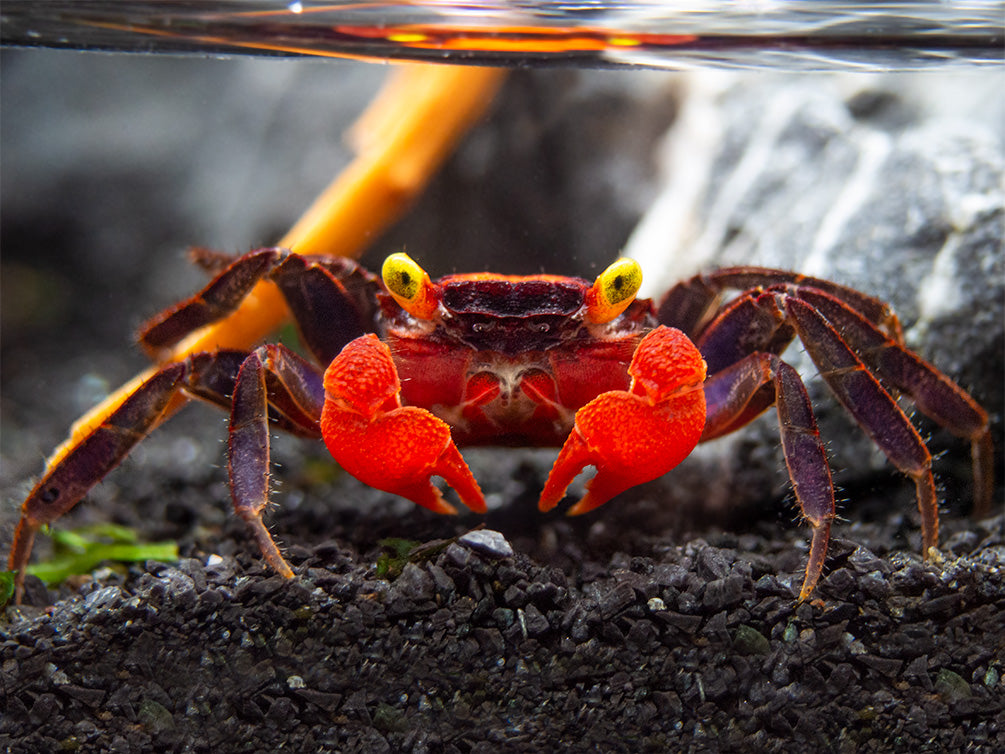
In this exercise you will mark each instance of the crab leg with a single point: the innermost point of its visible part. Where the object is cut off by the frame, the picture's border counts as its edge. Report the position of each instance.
(248, 458)
(736, 395)
(293, 389)
(219, 298)
(872, 407)
(637, 435)
(935, 395)
(807, 464)
(248, 444)
(874, 310)
(866, 324)
(690, 304)
(293, 385)
(65, 483)
(273, 383)
(386, 445)
(331, 300)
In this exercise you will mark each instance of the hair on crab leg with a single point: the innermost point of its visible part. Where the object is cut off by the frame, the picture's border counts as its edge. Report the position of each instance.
(74, 470)
(873, 408)
(248, 458)
(807, 464)
(933, 393)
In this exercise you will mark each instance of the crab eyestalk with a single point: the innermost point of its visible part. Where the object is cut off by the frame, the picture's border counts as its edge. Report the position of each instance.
(613, 291)
(410, 285)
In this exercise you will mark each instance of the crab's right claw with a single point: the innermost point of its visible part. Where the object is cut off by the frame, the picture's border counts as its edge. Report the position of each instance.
(637, 435)
(386, 445)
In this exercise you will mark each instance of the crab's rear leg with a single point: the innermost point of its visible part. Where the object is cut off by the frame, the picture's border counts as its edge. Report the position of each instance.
(331, 299)
(692, 303)
(71, 474)
(934, 394)
(637, 435)
(872, 407)
(218, 299)
(211, 376)
(386, 445)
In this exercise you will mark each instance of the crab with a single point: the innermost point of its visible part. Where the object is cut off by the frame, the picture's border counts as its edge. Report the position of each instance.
(401, 371)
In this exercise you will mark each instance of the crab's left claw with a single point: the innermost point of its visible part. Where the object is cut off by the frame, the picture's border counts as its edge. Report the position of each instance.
(386, 445)
(637, 435)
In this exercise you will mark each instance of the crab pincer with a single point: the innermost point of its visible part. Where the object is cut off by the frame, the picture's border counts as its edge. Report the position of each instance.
(386, 445)
(636, 435)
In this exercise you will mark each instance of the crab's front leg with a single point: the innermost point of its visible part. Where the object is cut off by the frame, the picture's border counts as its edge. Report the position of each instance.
(386, 445)
(636, 435)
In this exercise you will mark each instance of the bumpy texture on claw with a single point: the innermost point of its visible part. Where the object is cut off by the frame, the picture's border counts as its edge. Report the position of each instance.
(637, 435)
(386, 445)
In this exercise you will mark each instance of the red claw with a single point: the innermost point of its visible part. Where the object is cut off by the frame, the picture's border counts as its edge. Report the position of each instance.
(386, 445)
(637, 435)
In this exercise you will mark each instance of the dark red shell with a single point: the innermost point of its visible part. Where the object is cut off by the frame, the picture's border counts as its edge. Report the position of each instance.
(511, 359)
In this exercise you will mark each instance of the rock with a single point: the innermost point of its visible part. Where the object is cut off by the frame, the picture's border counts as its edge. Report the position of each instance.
(874, 182)
(487, 542)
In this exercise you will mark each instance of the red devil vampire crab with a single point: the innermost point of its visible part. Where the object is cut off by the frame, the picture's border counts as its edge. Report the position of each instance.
(410, 369)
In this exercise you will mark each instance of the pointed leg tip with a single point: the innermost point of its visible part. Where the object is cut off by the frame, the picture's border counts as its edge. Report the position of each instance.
(817, 556)
(805, 592)
(279, 564)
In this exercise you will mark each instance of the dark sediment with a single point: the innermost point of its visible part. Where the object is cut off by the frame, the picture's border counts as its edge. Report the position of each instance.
(591, 636)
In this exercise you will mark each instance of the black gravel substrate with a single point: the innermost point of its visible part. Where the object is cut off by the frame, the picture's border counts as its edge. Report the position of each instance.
(699, 647)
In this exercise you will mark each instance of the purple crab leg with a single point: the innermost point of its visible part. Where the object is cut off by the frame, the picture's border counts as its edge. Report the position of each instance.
(751, 324)
(872, 407)
(294, 385)
(248, 458)
(871, 308)
(332, 299)
(934, 394)
(869, 327)
(735, 395)
(248, 445)
(219, 298)
(295, 390)
(807, 464)
(690, 305)
(69, 479)
(295, 395)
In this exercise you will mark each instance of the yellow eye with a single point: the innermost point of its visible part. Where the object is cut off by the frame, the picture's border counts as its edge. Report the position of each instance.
(409, 285)
(613, 291)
